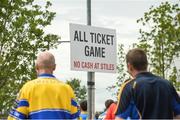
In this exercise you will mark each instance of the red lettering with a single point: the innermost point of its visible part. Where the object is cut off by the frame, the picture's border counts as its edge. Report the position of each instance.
(96, 65)
(76, 64)
(87, 65)
(105, 66)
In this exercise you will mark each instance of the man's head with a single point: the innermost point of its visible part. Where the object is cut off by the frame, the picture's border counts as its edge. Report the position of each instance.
(45, 63)
(83, 105)
(136, 60)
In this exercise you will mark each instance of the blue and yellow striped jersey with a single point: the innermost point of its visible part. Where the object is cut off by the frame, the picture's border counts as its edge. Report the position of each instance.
(84, 115)
(45, 98)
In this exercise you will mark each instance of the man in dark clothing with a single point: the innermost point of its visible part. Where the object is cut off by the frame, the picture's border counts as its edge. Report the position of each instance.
(146, 96)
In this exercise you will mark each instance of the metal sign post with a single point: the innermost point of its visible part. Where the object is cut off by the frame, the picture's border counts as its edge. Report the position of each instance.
(90, 76)
(91, 95)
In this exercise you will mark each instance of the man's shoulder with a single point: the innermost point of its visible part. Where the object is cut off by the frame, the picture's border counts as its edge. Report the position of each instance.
(127, 89)
(37, 82)
(128, 85)
(149, 77)
(147, 82)
(29, 83)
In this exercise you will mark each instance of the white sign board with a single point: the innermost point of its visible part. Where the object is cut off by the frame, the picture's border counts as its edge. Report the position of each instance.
(93, 48)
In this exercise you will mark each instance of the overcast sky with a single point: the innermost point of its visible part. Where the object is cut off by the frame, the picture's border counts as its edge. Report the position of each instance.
(116, 14)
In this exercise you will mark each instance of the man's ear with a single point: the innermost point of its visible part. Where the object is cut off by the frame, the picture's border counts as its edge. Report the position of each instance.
(36, 67)
(54, 67)
(129, 66)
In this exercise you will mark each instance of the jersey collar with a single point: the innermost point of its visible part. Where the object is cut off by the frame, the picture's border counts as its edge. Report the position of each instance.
(142, 74)
(45, 75)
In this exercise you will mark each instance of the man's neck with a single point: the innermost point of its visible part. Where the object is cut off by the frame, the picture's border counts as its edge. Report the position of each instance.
(135, 73)
(44, 72)
(83, 112)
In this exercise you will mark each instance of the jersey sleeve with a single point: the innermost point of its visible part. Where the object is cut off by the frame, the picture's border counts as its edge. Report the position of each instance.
(21, 105)
(75, 112)
(126, 107)
(175, 102)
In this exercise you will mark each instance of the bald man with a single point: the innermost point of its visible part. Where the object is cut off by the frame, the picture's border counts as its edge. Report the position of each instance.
(45, 97)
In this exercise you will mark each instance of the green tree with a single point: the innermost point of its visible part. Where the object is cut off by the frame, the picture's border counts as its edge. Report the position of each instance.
(80, 91)
(161, 39)
(22, 36)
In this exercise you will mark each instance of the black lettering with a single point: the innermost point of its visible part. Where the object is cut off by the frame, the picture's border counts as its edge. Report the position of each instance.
(86, 50)
(92, 38)
(103, 52)
(97, 52)
(85, 37)
(112, 38)
(92, 51)
(76, 36)
(99, 38)
(80, 37)
(107, 40)
(103, 39)
(95, 38)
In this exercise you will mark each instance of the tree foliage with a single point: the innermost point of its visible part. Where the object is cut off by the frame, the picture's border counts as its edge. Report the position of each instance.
(161, 39)
(80, 91)
(22, 36)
